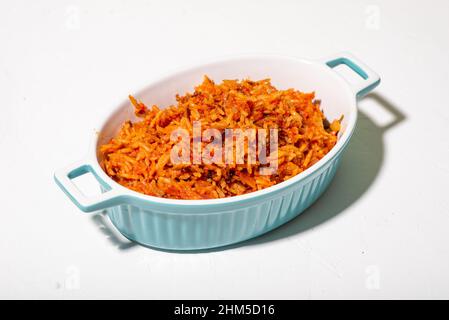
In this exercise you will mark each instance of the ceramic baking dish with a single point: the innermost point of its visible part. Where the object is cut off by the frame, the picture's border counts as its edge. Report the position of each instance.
(199, 224)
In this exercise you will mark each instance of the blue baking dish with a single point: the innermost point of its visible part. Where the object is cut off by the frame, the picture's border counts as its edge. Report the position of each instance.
(200, 224)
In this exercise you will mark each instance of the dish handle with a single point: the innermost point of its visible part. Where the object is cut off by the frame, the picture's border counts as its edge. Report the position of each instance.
(64, 178)
(370, 79)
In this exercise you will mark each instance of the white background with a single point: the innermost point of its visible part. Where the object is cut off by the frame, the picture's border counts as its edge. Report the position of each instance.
(380, 231)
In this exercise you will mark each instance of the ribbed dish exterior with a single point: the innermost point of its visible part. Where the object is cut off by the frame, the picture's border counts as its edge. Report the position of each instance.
(179, 230)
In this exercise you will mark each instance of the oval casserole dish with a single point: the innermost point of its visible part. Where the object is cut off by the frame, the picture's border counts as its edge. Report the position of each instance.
(173, 224)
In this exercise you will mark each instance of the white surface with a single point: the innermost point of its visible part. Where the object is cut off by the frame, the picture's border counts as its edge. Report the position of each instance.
(381, 230)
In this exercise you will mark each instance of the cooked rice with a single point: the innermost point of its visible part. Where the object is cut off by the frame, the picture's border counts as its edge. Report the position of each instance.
(138, 157)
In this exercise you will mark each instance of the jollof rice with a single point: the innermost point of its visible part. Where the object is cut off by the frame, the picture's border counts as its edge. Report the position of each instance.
(138, 157)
